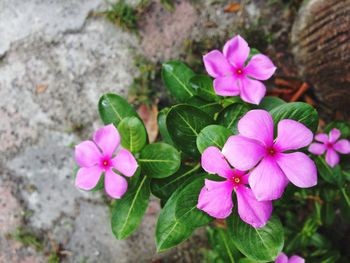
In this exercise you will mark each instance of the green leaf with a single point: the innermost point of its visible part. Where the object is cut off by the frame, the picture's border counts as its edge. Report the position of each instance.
(127, 212)
(230, 116)
(133, 134)
(329, 174)
(262, 244)
(203, 85)
(113, 109)
(298, 111)
(159, 160)
(176, 76)
(268, 103)
(209, 107)
(340, 125)
(162, 126)
(253, 52)
(184, 122)
(164, 188)
(186, 210)
(212, 135)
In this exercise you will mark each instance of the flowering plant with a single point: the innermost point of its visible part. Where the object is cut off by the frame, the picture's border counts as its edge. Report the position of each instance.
(223, 143)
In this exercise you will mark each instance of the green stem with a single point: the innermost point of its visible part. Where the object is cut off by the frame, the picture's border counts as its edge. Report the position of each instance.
(347, 199)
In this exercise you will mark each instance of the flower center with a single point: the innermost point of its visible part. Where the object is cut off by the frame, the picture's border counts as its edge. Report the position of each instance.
(236, 180)
(329, 145)
(271, 151)
(105, 163)
(239, 71)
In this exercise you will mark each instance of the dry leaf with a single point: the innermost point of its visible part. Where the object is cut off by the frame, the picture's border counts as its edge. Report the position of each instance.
(40, 88)
(149, 116)
(232, 8)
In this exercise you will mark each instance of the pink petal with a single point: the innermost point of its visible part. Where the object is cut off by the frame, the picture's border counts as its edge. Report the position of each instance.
(252, 91)
(317, 148)
(334, 135)
(260, 67)
(251, 210)
(342, 146)
(296, 259)
(108, 139)
(213, 161)
(87, 154)
(267, 180)
(332, 158)
(243, 153)
(215, 198)
(292, 135)
(226, 86)
(125, 163)
(236, 51)
(321, 137)
(87, 178)
(257, 125)
(282, 258)
(216, 64)
(115, 185)
(298, 168)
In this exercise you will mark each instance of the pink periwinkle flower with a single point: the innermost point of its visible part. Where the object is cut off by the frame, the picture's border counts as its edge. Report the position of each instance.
(233, 77)
(97, 157)
(215, 197)
(282, 258)
(276, 165)
(331, 145)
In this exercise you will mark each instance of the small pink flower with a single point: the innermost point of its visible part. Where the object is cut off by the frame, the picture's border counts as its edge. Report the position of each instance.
(97, 157)
(215, 197)
(331, 145)
(233, 77)
(277, 166)
(282, 258)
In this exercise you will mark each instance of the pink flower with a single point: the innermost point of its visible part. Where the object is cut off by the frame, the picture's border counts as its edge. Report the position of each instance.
(282, 258)
(97, 157)
(215, 197)
(233, 77)
(277, 166)
(331, 145)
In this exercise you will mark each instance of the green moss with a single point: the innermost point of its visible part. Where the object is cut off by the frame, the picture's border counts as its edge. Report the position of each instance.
(27, 238)
(54, 258)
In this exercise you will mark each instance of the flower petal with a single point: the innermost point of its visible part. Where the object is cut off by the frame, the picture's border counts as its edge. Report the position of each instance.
(215, 198)
(260, 67)
(213, 161)
(332, 158)
(267, 180)
(298, 168)
(226, 86)
(243, 153)
(216, 64)
(125, 163)
(321, 137)
(87, 154)
(292, 135)
(87, 178)
(251, 210)
(342, 146)
(296, 259)
(334, 135)
(257, 125)
(282, 258)
(252, 91)
(317, 148)
(115, 185)
(108, 139)
(236, 51)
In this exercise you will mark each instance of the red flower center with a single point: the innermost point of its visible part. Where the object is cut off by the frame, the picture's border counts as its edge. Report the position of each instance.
(236, 180)
(329, 145)
(239, 71)
(105, 163)
(271, 151)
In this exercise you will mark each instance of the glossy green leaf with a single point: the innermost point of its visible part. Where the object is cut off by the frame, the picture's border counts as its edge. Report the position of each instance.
(113, 109)
(299, 111)
(329, 174)
(164, 188)
(262, 244)
(230, 116)
(127, 212)
(176, 76)
(211, 108)
(133, 134)
(203, 85)
(212, 135)
(268, 103)
(163, 130)
(184, 122)
(159, 160)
